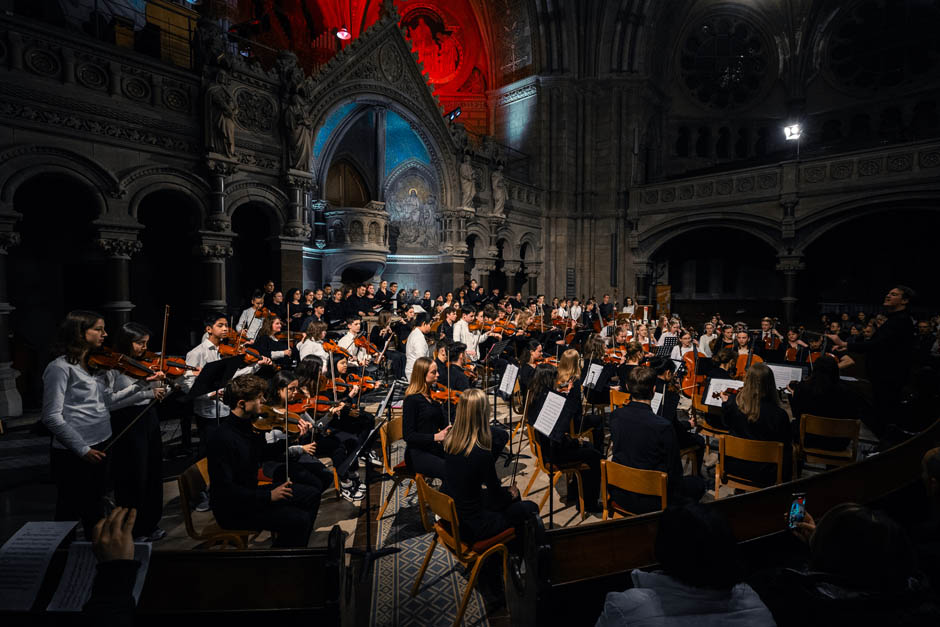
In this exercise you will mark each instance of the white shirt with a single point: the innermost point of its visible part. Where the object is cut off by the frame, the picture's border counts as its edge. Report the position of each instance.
(359, 355)
(678, 351)
(463, 334)
(415, 346)
(705, 343)
(312, 347)
(207, 352)
(662, 338)
(248, 322)
(628, 309)
(76, 404)
(576, 312)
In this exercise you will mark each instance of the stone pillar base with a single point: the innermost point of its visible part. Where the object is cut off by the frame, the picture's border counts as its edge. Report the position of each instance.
(11, 403)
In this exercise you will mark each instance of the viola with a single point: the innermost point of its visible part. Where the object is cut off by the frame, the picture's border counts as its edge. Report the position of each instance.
(443, 394)
(470, 371)
(107, 359)
(363, 342)
(332, 347)
(270, 418)
(729, 392)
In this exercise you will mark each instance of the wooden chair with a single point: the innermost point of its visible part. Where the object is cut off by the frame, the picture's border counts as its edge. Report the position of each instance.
(191, 482)
(830, 428)
(747, 450)
(618, 399)
(471, 557)
(390, 432)
(651, 482)
(556, 473)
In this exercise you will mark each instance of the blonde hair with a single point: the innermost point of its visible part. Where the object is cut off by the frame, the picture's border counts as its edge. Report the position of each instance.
(471, 427)
(758, 386)
(522, 319)
(419, 377)
(569, 366)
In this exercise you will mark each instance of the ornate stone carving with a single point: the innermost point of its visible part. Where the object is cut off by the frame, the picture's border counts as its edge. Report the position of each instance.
(467, 182)
(790, 264)
(374, 236)
(841, 170)
(499, 192)
(516, 95)
(8, 239)
(211, 42)
(255, 112)
(685, 192)
(814, 174)
(220, 112)
(651, 197)
(337, 232)
(869, 167)
(767, 181)
(391, 63)
(215, 251)
(900, 162)
(218, 222)
(136, 89)
(704, 190)
(92, 76)
(42, 62)
(356, 233)
(929, 159)
(222, 167)
(297, 229)
(724, 187)
(288, 69)
(368, 71)
(668, 195)
(745, 184)
(298, 122)
(176, 99)
(257, 161)
(117, 247)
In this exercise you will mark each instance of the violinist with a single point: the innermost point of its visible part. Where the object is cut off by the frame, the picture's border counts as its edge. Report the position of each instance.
(137, 456)
(632, 355)
(75, 405)
(606, 309)
(312, 344)
(529, 359)
(670, 328)
(417, 344)
(720, 366)
(725, 340)
(360, 356)
(236, 452)
(424, 425)
(594, 352)
(795, 350)
(267, 343)
(683, 347)
(568, 383)
(669, 408)
(249, 323)
(706, 338)
(628, 306)
(385, 339)
(464, 335)
(770, 343)
(352, 418)
(446, 330)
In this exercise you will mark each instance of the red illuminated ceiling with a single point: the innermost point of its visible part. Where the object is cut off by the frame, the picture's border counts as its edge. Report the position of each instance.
(445, 34)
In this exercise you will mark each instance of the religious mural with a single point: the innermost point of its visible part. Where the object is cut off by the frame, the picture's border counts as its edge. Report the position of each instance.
(414, 211)
(439, 47)
(514, 47)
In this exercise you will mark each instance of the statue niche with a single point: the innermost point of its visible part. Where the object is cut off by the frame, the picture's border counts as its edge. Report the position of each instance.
(414, 214)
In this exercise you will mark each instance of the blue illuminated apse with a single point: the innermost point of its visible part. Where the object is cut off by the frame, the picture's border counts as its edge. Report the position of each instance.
(402, 143)
(329, 126)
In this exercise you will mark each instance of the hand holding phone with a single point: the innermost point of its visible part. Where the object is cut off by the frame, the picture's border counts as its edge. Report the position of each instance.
(797, 510)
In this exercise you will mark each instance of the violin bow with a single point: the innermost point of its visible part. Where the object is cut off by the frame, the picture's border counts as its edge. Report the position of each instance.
(288, 327)
(166, 320)
(515, 467)
(287, 434)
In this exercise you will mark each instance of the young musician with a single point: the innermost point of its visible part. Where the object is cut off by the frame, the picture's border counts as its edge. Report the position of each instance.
(335, 311)
(665, 370)
(384, 338)
(683, 347)
(464, 335)
(824, 394)
(468, 465)
(417, 344)
(236, 451)
(705, 339)
(75, 404)
(795, 350)
(446, 330)
(529, 359)
(249, 323)
(770, 343)
(296, 316)
(137, 455)
(317, 314)
(312, 344)
(267, 343)
(670, 329)
(360, 356)
(725, 340)
(424, 425)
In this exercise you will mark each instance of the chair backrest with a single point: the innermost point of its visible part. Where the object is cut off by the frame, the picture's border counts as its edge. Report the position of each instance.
(650, 482)
(830, 428)
(618, 399)
(390, 432)
(442, 506)
(750, 450)
(536, 449)
(191, 482)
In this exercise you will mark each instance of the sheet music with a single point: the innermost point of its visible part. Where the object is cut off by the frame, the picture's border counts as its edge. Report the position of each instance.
(75, 586)
(593, 375)
(385, 400)
(509, 379)
(844, 378)
(783, 375)
(24, 559)
(720, 385)
(550, 413)
(656, 402)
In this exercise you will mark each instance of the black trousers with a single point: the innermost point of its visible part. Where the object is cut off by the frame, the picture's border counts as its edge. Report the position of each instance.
(396, 360)
(80, 487)
(205, 427)
(137, 466)
(491, 520)
(586, 454)
(425, 462)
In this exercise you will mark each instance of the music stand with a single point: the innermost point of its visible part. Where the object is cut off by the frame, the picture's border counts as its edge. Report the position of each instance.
(666, 349)
(369, 555)
(213, 376)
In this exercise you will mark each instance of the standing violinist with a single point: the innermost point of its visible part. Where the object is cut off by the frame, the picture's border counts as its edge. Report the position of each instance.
(383, 337)
(269, 345)
(359, 356)
(75, 404)
(312, 344)
(446, 329)
(463, 334)
(417, 344)
(249, 323)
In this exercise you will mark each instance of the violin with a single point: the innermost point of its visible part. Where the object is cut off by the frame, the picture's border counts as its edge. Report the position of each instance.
(319, 405)
(332, 347)
(363, 342)
(171, 366)
(365, 383)
(337, 384)
(251, 355)
(729, 392)
(264, 312)
(270, 418)
(443, 394)
(295, 336)
(551, 361)
(107, 359)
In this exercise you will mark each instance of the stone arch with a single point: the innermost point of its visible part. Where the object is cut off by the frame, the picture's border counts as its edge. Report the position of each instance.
(505, 235)
(21, 163)
(273, 199)
(142, 182)
(479, 230)
(824, 220)
(530, 239)
(652, 239)
(328, 155)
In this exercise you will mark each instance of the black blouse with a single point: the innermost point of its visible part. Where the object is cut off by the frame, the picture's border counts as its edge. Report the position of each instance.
(421, 419)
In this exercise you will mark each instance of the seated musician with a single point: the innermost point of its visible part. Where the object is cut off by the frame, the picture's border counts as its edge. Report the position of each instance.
(642, 337)
(669, 409)
(268, 344)
(294, 309)
(559, 447)
(249, 323)
(360, 356)
(568, 383)
(670, 329)
(424, 425)
(236, 451)
(312, 344)
(795, 350)
(725, 340)
(317, 314)
(754, 413)
(705, 340)
(594, 352)
(464, 335)
(683, 347)
(529, 359)
(643, 440)
(456, 378)
(770, 343)
(468, 465)
(633, 353)
(385, 339)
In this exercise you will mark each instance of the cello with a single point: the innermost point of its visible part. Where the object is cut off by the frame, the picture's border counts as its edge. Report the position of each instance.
(744, 361)
(692, 380)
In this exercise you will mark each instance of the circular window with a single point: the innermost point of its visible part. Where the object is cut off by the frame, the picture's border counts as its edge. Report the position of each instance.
(724, 62)
(880, 44)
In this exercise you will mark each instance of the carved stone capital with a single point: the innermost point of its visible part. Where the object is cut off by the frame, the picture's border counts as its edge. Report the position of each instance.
(299, 180)
(215, 251)
(512, 267)
(790, 264)
(220, 165)
(297, 229)
(218, 222)
(119, 248)
(485, 265)
(8, 239)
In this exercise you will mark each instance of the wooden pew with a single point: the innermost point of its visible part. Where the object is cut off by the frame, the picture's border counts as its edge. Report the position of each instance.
(587, 561)
(228, 585)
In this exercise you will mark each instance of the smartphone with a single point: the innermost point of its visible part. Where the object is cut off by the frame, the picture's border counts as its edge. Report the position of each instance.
(797, 509)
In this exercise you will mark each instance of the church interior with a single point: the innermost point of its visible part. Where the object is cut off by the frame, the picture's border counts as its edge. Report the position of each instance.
(489, 312)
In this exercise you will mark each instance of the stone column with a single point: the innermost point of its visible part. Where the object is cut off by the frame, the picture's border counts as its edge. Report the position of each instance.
(532, 272)
(511, 269)
(118, 248)
(219, 169)
(381, 113)
(11, 404)
(789, 265)
(644, 273)
(290, 256)
(485, 266)
(213, 249)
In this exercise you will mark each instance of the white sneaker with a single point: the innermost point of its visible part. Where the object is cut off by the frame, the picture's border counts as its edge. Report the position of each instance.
(202, 505)
(371, 458)
(353, 494)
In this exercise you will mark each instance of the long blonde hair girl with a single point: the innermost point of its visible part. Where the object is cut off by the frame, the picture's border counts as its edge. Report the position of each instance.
(471, 427)
(569, 367)
(758, 386)
(419, 377)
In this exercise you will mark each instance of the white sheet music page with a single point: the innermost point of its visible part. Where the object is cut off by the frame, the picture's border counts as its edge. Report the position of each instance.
(549, 414)
(717, 386)
(656, 402)
(75, 586)
(783, 375)
(593, 375)
(24, 559)
(509, 379)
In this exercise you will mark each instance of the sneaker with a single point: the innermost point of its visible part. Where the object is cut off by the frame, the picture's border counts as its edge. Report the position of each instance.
(202, 505)
(353, 494)
(371, 458)
(157, 535)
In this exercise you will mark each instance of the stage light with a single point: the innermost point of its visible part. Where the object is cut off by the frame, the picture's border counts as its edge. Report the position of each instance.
(453, 115)
(343, 34)
(792, 132)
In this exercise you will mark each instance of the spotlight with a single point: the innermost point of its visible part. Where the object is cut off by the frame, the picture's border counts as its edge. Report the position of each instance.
(792, 132)
(343, 34)
(195, 3)
(453, 115)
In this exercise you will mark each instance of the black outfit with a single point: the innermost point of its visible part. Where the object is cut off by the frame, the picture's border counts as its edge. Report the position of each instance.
(112, 594)
(311, 318)
(447, 331)
(421, 419)
(265, 344)
(606, 310)
(238, 502)
(297, 315)
(483, 513)
(458, 380)
(80, 486)
(335, 313)
(772, 425)
(137, 462)
(837, 402)
(560, 449)
(345, 433)
(396, 359)
(669, 409)
(600, 394)
(526, 372)
(645, 441)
